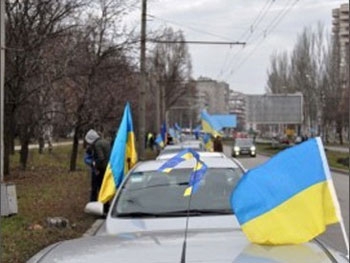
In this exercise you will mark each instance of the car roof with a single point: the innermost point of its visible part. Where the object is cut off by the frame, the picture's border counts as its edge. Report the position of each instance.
(166, 156)
(211, 162)
(192, 142)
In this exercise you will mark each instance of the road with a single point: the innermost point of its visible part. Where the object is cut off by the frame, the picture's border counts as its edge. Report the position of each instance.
(333, 235)
(337, 149)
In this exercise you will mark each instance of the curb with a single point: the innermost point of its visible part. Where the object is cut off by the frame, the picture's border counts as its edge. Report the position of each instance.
(341, 171)
(94, 228)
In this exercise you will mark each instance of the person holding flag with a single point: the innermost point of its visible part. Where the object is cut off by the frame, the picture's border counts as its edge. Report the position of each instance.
(99, 149)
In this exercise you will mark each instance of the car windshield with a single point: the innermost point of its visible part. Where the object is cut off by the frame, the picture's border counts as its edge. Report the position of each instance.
(244, 142)
(154, 193)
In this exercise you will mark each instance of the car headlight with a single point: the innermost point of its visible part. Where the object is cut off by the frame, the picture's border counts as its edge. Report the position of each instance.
(236, 149)
(252, 148)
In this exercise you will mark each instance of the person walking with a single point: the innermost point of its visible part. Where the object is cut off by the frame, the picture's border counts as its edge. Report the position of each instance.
(100, 150)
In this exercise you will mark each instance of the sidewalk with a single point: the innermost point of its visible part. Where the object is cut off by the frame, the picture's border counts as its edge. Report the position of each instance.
(55, 144)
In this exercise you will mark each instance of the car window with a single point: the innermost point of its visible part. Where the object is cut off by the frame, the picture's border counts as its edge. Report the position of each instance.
(246, 142)
(159, 193)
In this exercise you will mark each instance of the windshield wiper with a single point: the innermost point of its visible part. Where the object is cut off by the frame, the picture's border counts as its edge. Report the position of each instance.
(137, 214)
(178, 213)
(197, 212)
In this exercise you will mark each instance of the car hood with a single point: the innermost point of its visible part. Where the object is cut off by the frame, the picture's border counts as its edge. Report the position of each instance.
(224, 245)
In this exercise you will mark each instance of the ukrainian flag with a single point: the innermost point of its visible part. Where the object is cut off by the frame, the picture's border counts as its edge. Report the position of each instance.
(123, 157)
(288, 200)
(186, 154)
(196, 176)
(210, 125)
(198, 171)
(159, 140)
(164, 133)
(207, 142)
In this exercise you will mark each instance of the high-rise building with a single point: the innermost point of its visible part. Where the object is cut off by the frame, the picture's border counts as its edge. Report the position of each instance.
(213, 96)
(237, 104)
(341, 30)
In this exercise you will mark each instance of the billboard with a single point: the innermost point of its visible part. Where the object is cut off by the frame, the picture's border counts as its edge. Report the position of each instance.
(275, 108)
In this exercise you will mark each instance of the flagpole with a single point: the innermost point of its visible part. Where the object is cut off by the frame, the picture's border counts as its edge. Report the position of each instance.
(333, 193)
(184, 246)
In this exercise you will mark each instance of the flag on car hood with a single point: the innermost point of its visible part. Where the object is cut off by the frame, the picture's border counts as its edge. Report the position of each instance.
(122, 158)
(198, 171)
(290, 199)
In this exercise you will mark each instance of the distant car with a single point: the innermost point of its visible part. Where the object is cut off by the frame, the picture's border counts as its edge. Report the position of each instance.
(244, 146)
(148, 216)
(194, 144)
(176, 148)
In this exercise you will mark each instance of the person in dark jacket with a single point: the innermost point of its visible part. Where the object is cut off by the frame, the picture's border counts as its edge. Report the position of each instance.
(218, 144)
(89, 160)
(100, 155)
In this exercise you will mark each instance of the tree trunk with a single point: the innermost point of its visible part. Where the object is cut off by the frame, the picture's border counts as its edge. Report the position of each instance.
(340, 132)
(24, 153)
(74, 154)
(41, 144)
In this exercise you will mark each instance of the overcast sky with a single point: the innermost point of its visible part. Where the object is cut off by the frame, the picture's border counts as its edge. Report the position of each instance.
(265, 25)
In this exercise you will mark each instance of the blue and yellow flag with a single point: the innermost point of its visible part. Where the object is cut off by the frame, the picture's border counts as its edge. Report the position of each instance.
(288, 200)
(195, 178)
(159, 140)
(198, 171)
(123, 157)
(164, 133)
(208, 144)
(210, 125)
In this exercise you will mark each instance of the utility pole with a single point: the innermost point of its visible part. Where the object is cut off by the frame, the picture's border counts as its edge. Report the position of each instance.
(2, 80)
(142, 87)
(8, 190)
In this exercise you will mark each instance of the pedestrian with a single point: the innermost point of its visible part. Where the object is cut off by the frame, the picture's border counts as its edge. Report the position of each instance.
(89, 160)
(218, 144)
(150, 140)
(100, 149)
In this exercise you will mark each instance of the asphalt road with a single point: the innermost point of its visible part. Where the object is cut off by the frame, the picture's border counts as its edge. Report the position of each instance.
(333, 235)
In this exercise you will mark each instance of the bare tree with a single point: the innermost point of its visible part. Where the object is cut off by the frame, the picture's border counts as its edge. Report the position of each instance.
(31, 26)
(171, 64)
(333, 108)
(278, 75)
(303, 72)
(98, 73)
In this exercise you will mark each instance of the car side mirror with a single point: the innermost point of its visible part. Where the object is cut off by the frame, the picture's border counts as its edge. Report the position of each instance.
(94, 208)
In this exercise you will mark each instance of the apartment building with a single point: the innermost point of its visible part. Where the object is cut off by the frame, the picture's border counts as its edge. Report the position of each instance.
(212, 96)
(341, 30)
(237, 106)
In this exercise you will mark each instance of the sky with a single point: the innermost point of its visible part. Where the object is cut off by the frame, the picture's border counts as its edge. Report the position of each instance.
(265, 26)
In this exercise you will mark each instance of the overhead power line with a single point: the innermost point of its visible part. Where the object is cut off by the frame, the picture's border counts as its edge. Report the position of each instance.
(273, 24)
(189, 27)
(251, 29)
(196, 42)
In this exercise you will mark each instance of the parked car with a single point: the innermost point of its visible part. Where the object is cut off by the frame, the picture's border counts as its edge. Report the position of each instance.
(244, 146)
(167, 156)
(148, 217)
(176, 148)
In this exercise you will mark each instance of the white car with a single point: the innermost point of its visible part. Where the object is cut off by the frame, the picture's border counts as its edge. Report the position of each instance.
(167, 156)
(148, 218)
